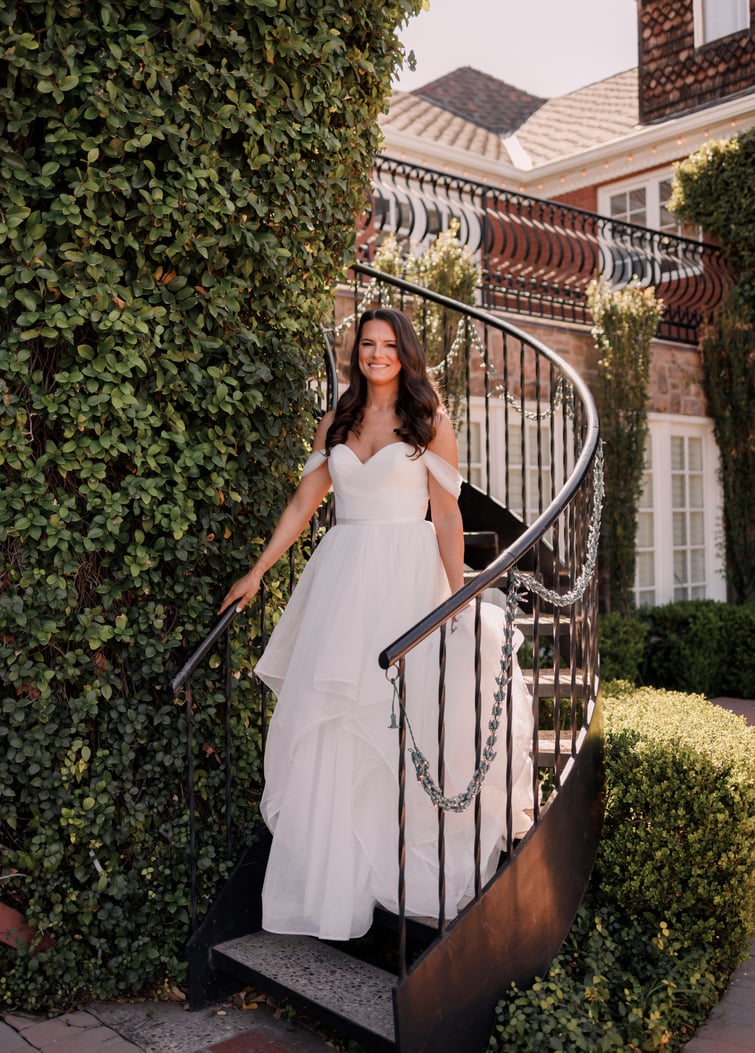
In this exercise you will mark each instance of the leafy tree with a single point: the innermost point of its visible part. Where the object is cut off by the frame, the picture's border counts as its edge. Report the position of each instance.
(178, 186)
(713, 188)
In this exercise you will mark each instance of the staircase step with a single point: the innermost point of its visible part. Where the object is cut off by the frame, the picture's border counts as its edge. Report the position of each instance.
(526, 623)
(546, 748)
(546, 683)
(317, 976)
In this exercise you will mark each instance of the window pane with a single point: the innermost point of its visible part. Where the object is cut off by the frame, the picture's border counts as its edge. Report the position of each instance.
(697, 593)
(721, 17)
(646, 496)
(637, 213)
(645, 569)
(680, 568)
(695, 454)
(678, 491)
(697, 564)
(696, 528)
(645, 530)
(680, 529)
(677, 453)
(695, 491)
(647, 598)
(618, 206)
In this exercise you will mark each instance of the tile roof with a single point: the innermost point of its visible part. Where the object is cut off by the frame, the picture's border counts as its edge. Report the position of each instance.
(413, 115)
(484, 100)
(598, 113)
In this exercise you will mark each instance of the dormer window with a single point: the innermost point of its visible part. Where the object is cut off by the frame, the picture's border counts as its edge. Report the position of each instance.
(719, 18)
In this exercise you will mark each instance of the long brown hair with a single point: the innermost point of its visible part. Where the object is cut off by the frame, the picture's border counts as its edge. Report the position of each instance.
(418, 401)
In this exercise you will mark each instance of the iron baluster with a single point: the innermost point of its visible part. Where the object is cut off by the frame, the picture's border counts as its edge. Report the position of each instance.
(442, 777)
(478, 737)
(402, 818)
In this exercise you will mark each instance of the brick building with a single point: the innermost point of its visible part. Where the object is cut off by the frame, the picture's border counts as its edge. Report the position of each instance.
(552, 191)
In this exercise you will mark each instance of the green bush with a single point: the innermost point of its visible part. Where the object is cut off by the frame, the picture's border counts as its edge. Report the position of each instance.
(701, 645)
(672, 902)
(692, 645)
(178, 186)
(622, 641)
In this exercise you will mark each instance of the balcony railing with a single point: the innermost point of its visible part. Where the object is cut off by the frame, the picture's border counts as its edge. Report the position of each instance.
(537, 257)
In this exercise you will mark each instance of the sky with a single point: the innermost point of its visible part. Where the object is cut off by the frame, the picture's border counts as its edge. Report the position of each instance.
(544, 47)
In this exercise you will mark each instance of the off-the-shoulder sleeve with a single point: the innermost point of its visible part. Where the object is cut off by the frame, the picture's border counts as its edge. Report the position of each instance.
(443, 472)
(313, 462)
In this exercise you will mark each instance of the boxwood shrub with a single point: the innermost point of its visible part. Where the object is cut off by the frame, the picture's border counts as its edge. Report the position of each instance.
(179, 181)
(671, 905)
(693, 645)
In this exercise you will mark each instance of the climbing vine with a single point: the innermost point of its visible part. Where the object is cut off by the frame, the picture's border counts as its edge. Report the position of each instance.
(179, 181)
(713, 188)
(625, 321)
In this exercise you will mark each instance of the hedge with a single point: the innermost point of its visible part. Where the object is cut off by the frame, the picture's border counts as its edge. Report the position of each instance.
(179, 181)
(691, 645)
(671, 905)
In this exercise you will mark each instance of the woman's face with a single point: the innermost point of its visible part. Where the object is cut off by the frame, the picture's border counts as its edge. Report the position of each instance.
(378, 355)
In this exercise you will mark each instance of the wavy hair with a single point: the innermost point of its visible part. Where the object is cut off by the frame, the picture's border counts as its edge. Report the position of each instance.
(418, 401)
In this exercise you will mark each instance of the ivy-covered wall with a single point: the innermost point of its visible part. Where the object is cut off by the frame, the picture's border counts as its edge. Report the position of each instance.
(178, 186)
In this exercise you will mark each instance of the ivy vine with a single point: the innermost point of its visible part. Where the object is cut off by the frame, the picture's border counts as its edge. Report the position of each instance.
(625, 321)
(179, 181)
(713, 188)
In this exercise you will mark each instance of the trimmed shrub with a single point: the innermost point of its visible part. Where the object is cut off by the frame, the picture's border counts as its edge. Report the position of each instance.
(178, 187)
(672, 902)
(702, 645)
(622, 641)
(693, 644)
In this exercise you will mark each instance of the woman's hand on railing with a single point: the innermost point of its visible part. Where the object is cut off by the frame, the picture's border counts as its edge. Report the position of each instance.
(243, 591)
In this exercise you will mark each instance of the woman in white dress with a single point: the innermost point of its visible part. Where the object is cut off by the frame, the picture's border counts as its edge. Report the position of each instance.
(331, 762)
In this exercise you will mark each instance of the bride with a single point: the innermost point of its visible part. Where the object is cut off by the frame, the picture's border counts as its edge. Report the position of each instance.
(331, 785)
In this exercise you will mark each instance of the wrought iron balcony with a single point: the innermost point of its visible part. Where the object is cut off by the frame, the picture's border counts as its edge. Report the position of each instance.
(537, 257)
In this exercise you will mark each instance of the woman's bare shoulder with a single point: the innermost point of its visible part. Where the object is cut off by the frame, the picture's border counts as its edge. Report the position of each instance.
(318, 443)
(444, 441)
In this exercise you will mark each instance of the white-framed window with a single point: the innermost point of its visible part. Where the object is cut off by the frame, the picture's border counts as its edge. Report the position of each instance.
(679, 524)
(718, 18)
(627, 254)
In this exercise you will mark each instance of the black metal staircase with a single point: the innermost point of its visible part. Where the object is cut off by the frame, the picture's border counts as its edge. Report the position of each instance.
(421, 985)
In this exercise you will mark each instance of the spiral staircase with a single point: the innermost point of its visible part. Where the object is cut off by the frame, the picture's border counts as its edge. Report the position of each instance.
(529, 438)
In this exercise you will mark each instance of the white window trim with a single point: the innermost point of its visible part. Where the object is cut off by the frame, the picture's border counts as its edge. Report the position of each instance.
(616, 251)
(661, 427)
(701, 39)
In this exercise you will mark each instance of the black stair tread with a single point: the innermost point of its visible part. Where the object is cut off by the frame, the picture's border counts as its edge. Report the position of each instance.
(320, 975)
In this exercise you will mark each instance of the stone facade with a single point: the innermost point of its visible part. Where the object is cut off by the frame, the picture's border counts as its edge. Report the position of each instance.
(675, 76)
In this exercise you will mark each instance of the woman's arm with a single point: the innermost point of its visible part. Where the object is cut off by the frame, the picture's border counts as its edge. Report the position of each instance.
(295, 517)
(444, 507)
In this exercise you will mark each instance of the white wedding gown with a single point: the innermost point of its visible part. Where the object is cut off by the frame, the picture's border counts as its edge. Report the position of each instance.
(331, 762)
